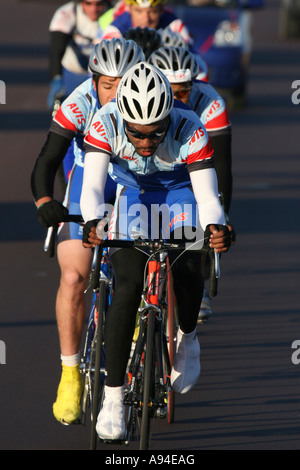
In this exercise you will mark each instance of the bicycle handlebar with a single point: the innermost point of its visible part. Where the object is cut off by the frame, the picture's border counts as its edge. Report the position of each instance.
(154, 245)
(49, 245)
(157, 245)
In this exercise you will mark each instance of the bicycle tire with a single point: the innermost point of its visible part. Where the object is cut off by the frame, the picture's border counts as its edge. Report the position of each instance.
(87, 362)
(171, 343)
(148, 383)
(213, 280)
(97, 386)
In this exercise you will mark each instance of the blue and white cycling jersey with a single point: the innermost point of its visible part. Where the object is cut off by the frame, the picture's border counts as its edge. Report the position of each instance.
(148, 184)
(76, 114)
(186, 147)
(209, 106)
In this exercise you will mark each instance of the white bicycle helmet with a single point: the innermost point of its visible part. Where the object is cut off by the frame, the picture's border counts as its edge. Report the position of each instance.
(145, 3)
(114, 57)
(172, 38)
(178, 64)
(144, 95)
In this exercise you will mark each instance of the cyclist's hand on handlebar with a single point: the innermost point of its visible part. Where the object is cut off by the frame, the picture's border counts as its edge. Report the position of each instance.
(219, 237)
(51, 213)
(90, 238)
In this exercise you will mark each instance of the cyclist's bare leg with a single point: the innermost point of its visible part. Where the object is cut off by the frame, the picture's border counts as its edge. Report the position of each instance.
(75, 265)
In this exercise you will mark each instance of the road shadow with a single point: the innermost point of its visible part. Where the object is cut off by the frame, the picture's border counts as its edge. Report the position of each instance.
(19, 222)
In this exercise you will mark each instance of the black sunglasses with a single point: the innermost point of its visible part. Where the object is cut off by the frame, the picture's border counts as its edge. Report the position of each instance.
(156, 135)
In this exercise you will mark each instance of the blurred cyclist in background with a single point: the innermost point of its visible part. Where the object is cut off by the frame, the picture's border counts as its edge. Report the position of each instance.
(173, 38)
(181, 68)
(145, 13)
(73, 29)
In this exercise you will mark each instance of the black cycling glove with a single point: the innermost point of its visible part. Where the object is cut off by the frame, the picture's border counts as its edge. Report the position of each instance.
(87, 228)
(51, 213)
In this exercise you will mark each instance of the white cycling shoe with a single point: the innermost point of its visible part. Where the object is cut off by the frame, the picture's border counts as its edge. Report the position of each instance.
(186, 367)
(111, 419)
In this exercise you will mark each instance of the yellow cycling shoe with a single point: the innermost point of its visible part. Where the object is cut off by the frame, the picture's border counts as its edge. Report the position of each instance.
(66, 409)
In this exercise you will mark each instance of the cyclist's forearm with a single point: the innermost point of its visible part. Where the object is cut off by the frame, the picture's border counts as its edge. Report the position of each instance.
(58, 44)
(222, 158)
(205, 188)
(94, 179)
(47, 164)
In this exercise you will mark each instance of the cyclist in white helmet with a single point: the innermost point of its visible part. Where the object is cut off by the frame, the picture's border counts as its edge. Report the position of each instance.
(108, 62)
(181, 68)
(145, 13)
(161, 157)
(174, 38)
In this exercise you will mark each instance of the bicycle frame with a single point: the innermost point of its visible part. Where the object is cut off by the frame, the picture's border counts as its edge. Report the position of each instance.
(93, 359)
(147, 392)
(153, 351)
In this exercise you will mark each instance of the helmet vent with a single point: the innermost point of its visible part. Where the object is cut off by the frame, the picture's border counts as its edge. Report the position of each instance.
(104, 55)
(134, 86)
(150, 106)
(130, 57)
(118, 56)
(161, 104)
(138, 107)
(151, 85)
(127, 107)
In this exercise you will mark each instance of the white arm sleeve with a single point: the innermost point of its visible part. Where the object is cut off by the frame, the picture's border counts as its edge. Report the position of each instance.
(94, 179)
(205, 188)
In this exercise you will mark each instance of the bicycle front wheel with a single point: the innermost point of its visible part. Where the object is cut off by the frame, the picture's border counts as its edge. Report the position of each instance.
(98, 384)
(171, 341)
(148, 383)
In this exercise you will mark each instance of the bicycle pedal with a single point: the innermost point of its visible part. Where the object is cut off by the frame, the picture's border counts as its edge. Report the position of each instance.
(74, 423)
(161, 413)
(203, 320)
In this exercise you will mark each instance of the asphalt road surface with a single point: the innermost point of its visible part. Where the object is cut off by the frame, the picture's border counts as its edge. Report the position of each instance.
(248, 397)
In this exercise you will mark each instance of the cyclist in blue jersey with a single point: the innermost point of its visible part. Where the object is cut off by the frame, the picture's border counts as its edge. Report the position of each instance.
(108, 63)
(145, 13)
(162, 159)
(181, 68)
